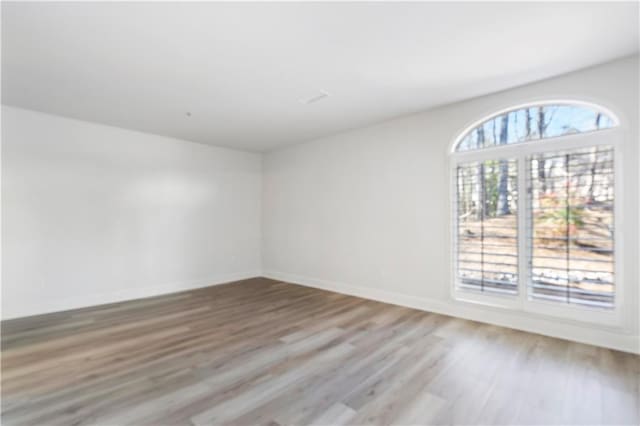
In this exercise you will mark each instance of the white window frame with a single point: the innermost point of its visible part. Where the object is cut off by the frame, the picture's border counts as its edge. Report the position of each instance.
(521, 151)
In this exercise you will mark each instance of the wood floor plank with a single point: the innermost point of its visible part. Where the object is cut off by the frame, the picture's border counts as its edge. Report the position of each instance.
(263, 352)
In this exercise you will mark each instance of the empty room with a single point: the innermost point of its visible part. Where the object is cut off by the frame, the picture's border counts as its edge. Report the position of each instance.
(320, 213)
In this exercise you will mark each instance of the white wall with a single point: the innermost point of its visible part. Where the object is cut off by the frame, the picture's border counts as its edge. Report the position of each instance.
(93, 214)
(368, 212)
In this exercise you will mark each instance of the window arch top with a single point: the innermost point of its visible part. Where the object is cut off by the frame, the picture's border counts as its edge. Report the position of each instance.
(535, 122)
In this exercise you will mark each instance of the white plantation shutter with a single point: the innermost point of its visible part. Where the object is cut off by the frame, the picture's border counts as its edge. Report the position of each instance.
(487, 240)
(570, 216)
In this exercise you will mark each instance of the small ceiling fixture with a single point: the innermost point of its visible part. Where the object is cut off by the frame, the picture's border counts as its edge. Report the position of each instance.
(188, 114)
(315, 98)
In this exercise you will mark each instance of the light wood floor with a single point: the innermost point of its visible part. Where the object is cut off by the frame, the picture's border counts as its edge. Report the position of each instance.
(264, 352)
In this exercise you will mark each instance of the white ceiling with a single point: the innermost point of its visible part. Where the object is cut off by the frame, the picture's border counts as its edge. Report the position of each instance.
(242, 69)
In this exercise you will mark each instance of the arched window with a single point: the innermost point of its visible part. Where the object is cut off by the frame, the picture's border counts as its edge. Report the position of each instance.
(534, 207)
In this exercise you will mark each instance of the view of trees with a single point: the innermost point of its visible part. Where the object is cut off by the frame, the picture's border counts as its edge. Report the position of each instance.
(570, 202)
(487, 227)
(532, 123)
(572, 207)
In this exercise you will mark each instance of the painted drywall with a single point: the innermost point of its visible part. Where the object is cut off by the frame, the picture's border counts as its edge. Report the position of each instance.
(368, 212)
(93, 214)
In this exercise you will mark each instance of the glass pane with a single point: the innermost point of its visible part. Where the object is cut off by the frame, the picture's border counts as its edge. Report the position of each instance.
(536, 122)
(571, 211)
(487, 249)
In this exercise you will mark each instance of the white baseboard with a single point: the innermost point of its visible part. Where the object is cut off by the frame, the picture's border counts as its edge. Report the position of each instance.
(568, 330)
(65, 304)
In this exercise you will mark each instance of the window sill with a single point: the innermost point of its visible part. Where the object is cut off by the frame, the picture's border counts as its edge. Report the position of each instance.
(518, 304)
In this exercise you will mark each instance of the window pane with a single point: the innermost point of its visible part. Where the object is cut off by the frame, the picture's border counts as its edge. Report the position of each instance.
(535, 122)
(487, 243)
(571, 216)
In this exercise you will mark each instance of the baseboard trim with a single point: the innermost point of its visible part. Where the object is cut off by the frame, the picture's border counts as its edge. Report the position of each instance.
(66, 304)
(519, 321)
